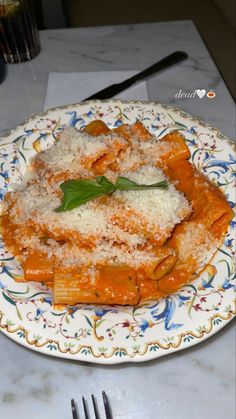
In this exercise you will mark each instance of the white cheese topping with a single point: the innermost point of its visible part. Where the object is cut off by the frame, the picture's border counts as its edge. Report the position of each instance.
(114, 228)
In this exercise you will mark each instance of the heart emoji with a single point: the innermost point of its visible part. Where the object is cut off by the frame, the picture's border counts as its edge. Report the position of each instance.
(201, 93)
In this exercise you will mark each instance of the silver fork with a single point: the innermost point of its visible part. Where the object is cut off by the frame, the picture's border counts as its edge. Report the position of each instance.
(106, 404)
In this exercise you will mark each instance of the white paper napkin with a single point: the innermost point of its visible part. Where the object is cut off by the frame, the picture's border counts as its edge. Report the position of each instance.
(66, 88)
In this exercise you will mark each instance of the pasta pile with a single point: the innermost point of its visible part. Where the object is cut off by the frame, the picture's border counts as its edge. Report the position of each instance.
(123, 247)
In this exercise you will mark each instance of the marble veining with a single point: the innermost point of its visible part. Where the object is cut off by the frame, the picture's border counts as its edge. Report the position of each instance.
(198, 381)
(121, 48)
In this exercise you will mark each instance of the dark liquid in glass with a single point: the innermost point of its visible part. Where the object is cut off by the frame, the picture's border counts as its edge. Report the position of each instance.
(19, 40)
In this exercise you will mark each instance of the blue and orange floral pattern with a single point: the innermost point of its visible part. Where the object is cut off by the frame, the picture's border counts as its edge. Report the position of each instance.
(115, 334)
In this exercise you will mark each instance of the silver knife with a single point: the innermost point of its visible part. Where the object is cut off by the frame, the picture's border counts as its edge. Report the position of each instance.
(114, 89)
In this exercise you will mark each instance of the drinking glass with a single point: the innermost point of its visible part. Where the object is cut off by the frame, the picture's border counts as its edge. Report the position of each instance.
(19, 38)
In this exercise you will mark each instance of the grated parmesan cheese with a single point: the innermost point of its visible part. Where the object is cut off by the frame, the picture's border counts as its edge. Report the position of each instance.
(196, 242)
(111, 230)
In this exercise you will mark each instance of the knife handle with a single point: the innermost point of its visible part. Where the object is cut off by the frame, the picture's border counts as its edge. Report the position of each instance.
(114, 89)
(168, 61)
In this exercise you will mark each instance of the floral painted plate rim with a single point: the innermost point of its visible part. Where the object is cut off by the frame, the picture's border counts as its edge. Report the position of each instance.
(118, 334)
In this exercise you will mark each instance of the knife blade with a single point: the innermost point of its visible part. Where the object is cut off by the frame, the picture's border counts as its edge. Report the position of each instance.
(116, 88)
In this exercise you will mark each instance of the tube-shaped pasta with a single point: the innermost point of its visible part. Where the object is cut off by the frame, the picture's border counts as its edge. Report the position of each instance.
(196, 239)
(109, 285)
(129, 246)
(210, 206)
(174, 148)
(149, 290)
(164, 262)
(96, 128)
(38, 267)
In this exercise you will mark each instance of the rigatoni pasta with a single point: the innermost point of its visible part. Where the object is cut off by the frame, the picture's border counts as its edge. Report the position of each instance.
(124, 246)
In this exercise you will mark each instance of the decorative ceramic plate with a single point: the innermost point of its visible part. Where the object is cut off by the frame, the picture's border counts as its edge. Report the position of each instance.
(106, 334)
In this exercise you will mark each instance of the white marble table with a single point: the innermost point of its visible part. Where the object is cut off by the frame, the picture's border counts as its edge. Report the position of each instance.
(198, 382)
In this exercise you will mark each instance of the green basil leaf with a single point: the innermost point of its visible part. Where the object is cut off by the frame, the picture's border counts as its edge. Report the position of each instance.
(106, 184)
(78, 192)
(124, 184)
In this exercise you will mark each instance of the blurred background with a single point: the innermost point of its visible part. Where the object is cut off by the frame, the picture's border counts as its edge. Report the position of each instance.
(215, 20)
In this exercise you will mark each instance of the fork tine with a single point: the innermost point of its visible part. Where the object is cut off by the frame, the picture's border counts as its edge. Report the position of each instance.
(97, 416)
(95, 408)
(106, 406)
(86, 413)
(74, 409)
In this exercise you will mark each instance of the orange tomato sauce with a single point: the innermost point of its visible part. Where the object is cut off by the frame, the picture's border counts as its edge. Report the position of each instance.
(121, 284)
